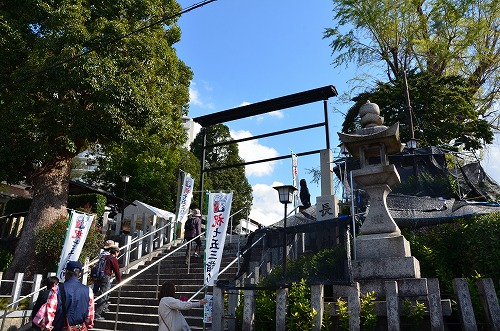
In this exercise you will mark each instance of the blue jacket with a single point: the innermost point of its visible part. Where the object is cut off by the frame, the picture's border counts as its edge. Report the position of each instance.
(77, 304)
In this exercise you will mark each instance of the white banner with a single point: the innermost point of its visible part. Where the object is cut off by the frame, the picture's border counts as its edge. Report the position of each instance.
(76, 235)
(185, 199)
(295, 180)
(219, 208)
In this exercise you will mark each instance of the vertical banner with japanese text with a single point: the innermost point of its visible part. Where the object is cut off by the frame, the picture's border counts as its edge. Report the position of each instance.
(185, 198)
(219, 208)
(295, 180)
(76, 235)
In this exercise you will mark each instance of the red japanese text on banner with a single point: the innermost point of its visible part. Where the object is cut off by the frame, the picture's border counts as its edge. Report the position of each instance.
(76, 235)
(219, 208)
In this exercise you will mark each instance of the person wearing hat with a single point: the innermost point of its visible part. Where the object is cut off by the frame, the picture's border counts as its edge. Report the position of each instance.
(192, 229)
(110, 254)
(70, 303)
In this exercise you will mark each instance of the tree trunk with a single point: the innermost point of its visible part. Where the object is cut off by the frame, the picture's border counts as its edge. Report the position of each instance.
(49, 192)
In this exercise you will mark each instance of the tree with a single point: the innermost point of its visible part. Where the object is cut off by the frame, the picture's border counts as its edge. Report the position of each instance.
(153, 169)
(441, 37)
(229, 179)
(443, 110)
(56, 103)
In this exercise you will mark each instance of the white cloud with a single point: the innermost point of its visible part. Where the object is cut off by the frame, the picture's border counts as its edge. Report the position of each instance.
(266, 208)
(251, 150)
(277, 114)
(195, 98)
(259, 118)
(244, 103)
(194, 95)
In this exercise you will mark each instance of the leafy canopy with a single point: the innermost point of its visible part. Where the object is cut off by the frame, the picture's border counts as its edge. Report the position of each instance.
(443, 110)
(441, 37)
(131, 88)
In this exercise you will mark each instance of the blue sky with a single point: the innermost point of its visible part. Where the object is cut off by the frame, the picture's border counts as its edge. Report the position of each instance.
(243, 52)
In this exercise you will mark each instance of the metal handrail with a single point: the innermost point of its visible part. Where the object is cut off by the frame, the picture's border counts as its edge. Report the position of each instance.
(84, 271)
(128, 279)
(228, 266)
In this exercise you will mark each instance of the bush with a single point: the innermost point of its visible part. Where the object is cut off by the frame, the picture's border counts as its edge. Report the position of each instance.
(440, 256)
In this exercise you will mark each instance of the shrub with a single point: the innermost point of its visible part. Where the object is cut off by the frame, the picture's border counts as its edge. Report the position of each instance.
(300, 315)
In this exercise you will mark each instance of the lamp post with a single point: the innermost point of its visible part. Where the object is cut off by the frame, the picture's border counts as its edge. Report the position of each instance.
(125, 180)
(285, 194)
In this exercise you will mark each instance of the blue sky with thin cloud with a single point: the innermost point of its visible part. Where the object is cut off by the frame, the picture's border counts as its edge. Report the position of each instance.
(243, 52)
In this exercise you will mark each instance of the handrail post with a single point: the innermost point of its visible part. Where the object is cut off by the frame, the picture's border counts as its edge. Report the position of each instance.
(151, 241)
(85, 271)
(16, 289)
(139, 244)
(161, 236)
(126, 253)
(37, 280)
(133, 224)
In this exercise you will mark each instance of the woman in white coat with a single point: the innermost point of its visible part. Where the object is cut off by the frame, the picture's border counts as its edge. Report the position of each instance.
(169, 310)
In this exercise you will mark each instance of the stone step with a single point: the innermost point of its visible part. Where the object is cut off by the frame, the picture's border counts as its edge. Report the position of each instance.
(138, 303)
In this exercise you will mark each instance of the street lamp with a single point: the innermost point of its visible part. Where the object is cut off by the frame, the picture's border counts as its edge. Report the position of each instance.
(125, 180)
(412, 144)
(285, 194)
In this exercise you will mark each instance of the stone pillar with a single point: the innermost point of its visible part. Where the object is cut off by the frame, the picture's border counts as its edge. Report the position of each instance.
(249, 311)
(326, 168)
(254, 272)
(435, 308)
(232, 303)
(327, 207)
(281, 307)
(465, 309)
(490, 302)
(317, 294)
(218, 308)
(354, 305)
(392, 305)
(133, 224)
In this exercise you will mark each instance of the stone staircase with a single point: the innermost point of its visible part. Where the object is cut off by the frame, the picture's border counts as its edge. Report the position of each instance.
(138, 305)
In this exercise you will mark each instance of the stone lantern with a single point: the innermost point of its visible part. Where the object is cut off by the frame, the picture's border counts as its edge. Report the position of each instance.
(381, 250)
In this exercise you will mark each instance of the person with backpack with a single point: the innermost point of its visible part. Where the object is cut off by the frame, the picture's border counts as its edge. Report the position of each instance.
(192, 229)
(102, 274)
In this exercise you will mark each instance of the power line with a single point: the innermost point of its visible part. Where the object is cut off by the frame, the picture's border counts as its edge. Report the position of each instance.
(107, 43)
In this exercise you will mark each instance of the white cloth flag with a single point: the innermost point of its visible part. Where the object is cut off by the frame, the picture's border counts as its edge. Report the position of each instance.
(76, 235)
(185, 199)
(219, 208)
(295, 181)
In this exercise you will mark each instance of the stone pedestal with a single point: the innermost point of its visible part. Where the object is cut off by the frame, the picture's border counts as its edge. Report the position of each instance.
(385, 256)
(382, 245)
